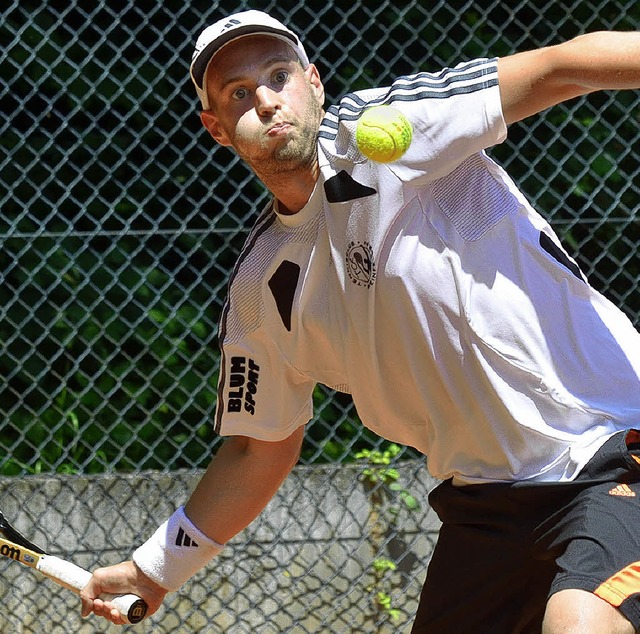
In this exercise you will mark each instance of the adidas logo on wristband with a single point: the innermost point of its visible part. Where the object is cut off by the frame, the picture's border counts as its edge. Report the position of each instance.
(175, 552)
(183, 540)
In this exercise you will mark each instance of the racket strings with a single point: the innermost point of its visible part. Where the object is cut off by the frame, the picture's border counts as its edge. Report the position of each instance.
(10, 533)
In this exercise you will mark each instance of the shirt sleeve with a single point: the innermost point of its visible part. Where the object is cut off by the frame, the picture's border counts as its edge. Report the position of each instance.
(260, 395)
(454, 114)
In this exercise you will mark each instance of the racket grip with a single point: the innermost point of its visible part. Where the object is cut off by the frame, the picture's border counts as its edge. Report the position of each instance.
(132, 608)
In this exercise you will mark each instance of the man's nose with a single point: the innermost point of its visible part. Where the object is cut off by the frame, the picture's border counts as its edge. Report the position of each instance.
(267, 100)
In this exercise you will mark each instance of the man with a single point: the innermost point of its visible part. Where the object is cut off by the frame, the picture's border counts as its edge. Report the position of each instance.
(431, 291)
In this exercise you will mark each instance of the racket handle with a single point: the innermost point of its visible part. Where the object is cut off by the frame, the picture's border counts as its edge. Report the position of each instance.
(132, 608)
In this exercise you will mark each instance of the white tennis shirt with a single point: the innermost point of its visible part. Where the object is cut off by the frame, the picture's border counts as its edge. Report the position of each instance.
(431, 291)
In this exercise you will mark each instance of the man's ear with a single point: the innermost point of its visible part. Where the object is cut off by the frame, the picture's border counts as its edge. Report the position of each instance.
(210, 122)
(313, 75)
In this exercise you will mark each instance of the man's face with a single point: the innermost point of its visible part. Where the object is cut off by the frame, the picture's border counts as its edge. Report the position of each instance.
(264, 104)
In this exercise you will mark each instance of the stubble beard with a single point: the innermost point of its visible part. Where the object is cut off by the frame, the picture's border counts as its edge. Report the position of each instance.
(299, 153)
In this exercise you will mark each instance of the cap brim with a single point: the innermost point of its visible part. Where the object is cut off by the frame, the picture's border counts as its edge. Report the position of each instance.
(199, 65)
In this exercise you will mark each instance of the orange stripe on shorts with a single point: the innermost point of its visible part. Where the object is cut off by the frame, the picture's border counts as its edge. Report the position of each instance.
(621, 585)
(633, 436)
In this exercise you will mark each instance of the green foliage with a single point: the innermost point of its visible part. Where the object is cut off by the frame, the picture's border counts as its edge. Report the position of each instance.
(388, 498)
(115, 361)
(120, 223)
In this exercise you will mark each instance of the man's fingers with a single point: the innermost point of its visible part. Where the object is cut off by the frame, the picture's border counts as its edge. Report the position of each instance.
(92, 603)
(124, 578)
(105, 610)
(87, 595)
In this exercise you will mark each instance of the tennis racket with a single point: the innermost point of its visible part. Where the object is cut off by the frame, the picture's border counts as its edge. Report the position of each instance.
(14, 545)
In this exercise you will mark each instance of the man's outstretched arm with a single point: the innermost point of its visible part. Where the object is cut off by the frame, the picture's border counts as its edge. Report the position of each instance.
(533, 81)
(241, 479)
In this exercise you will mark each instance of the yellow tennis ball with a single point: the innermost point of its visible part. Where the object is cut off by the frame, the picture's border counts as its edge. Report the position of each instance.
(383, 134)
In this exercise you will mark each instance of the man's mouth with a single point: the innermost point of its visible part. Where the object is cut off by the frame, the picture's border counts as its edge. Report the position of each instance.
(279, 129)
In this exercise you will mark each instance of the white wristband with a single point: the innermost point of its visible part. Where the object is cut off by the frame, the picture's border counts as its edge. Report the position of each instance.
(175, 552)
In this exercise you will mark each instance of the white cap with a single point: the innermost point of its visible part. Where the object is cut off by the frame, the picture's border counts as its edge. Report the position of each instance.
(238, 25)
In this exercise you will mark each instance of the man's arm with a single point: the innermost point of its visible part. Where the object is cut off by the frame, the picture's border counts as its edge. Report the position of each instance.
(533, 81)
(241, 479)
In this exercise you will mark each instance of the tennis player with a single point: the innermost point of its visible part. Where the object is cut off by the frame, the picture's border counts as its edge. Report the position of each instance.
(431, 291)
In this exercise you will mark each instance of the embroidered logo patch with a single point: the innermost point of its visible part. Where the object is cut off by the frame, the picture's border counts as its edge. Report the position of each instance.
(360, 265)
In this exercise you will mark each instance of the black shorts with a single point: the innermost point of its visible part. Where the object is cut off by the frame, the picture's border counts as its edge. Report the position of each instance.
(503, 549)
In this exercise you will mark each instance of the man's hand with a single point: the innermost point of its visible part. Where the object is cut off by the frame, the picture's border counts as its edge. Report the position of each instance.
(239, 482)
(122, 578)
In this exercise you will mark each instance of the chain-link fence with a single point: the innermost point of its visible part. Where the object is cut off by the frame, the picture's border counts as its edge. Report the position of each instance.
(316, 561)
(120, 220)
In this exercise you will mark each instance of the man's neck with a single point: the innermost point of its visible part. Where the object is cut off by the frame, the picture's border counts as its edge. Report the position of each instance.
(292, 190)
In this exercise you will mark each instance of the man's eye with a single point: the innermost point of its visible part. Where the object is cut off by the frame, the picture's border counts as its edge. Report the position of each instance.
(240, 93)
(281, 76)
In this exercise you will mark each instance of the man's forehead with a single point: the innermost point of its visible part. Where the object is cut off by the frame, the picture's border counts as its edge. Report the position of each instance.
(251, 50)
